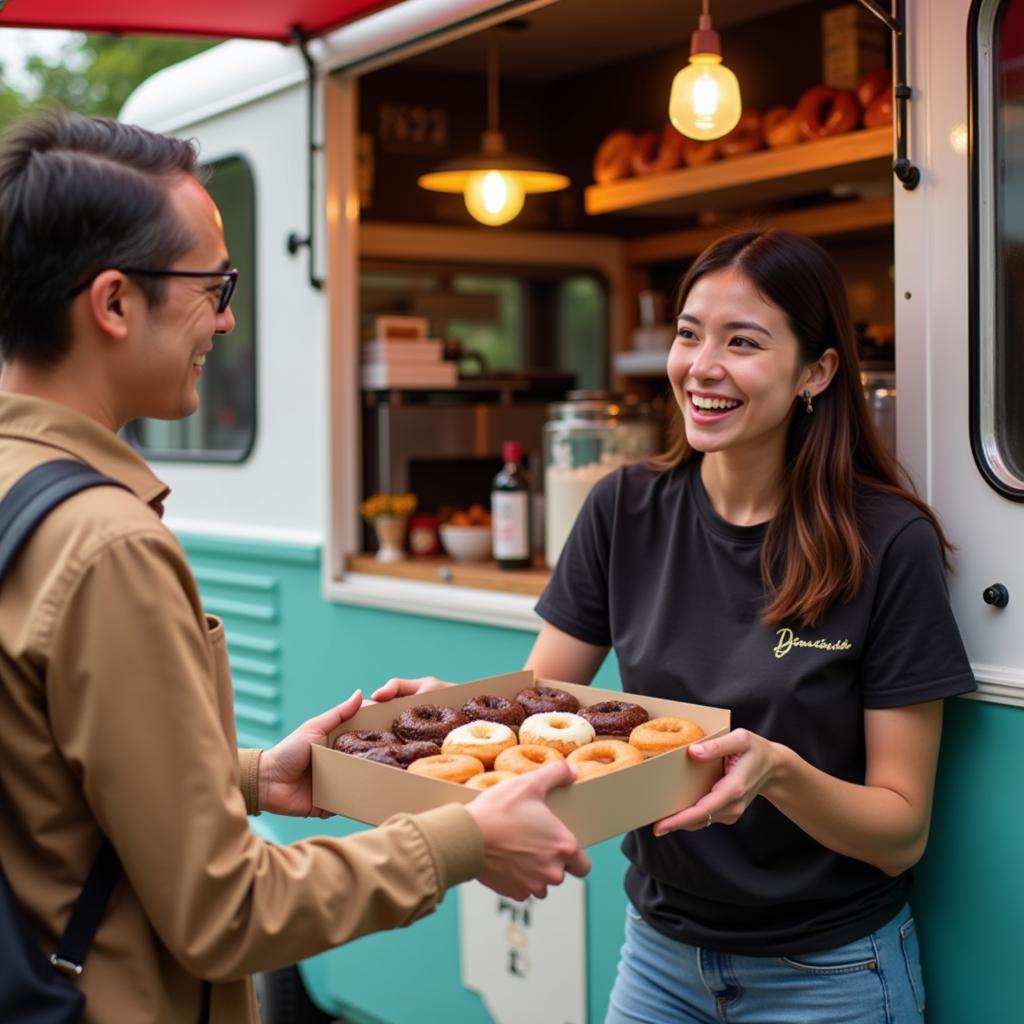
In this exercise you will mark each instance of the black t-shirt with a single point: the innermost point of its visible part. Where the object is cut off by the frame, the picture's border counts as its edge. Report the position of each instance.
(653, 571)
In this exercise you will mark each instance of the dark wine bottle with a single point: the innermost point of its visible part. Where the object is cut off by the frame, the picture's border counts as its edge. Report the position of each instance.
(510, 510)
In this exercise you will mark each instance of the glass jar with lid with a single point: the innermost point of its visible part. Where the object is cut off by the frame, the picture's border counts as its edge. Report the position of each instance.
(586, 437)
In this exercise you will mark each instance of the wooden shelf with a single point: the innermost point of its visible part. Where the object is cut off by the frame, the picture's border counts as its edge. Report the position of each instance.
(445, 572)
(849, 219)
(750, 180)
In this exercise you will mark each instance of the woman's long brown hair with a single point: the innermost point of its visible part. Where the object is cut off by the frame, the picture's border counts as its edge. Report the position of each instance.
(814, 552)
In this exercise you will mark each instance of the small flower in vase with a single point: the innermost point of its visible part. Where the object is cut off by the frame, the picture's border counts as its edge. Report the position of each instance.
(389, 514)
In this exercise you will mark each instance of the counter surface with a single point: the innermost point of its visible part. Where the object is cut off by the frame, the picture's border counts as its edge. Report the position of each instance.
(481, 575)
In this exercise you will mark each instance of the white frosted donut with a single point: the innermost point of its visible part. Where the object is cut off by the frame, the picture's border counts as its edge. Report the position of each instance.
(558, 729)
(482, 740)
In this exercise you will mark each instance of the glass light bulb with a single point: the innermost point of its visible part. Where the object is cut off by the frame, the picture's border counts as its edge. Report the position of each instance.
(494, 197)
(705, 100)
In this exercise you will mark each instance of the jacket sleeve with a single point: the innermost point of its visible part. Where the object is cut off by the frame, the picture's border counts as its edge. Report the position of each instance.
(136, 712)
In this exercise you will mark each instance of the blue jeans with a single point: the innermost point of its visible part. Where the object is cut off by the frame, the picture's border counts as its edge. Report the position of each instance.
(874, 980)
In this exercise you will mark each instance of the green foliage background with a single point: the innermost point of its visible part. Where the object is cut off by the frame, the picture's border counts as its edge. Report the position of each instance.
(93, 74)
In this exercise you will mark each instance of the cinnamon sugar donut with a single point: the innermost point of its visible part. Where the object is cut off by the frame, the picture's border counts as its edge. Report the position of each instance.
(494, 709)
(430, 722)
(448, 767)
(614, 717)
(537, 700)
(661, 734)
(487, 779)
(561, 730)
(525, 758)
(482, 740)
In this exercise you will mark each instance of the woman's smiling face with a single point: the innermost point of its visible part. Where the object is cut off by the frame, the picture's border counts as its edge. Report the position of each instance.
(735, 366)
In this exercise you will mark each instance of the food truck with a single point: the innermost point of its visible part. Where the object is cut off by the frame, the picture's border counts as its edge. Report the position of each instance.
(317, 135)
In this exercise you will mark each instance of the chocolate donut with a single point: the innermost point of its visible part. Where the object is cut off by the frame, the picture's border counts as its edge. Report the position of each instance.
(360, 740)
(538, 700)
(614, 717)
(430, 722)
(494, 709)
(406, 753)
(382, 755)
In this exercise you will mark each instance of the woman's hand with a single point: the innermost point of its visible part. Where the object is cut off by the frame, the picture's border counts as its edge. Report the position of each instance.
(285, 779)
(750, 764)
(406, 687)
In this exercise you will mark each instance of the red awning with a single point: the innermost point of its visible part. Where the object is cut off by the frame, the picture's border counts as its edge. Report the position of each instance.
(252, 19)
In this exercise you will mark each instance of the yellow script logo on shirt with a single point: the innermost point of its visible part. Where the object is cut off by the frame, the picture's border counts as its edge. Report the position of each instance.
(788, 640)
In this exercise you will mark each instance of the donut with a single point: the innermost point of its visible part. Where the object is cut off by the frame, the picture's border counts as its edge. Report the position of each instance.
(364, 739)
(614, 157)
(697, 152)
(447, 767)
(382, 755)
(656, 151)
(487, 779)
(879, 113)
(781, 127)
(494, 709)
(614, 717)
(536, 700)
(525, 758)
(610, 755)
(482, 740)
(872, 84)
(559, 729)
(431, 722)
(746, 137)
(406, 753)
(824, 111)
(661, 734)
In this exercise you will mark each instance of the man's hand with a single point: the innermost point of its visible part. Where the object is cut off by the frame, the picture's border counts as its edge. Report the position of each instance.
(286, 784)
(526, 847)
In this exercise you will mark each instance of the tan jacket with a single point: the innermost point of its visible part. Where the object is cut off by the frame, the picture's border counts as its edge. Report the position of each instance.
(116, 706)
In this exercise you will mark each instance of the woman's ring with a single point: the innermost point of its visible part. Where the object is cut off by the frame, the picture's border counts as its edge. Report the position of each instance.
(707, 824)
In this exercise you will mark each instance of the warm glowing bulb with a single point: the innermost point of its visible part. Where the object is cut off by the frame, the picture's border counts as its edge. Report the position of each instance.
(493, 197)
(705, 101)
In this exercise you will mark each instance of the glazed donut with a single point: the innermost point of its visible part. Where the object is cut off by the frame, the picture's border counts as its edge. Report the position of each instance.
(746, 137)
(872, 84)
(406, 753)
(661, 734)
(611, 755)
(494, 709)
(482, 740)
(697, 152)
(525, 758)
(880, 111)
(559, 729)
(447, 767)
(487, 779)
(614, 157)
(431, 722)
(614, 717)
(536, 700)
(781, 127)
(824, 111)
(364, 739)
(658, 152)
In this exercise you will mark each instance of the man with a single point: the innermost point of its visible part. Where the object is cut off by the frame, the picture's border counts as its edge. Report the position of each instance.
(114, 688)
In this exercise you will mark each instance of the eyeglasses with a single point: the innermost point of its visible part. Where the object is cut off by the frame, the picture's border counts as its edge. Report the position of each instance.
(227, 289)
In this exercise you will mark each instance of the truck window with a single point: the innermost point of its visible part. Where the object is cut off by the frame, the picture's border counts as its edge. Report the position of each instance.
(997, 319)
(224, 428)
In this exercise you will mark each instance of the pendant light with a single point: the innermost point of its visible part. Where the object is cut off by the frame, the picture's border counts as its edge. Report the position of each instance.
(705, 100)
(494, 183)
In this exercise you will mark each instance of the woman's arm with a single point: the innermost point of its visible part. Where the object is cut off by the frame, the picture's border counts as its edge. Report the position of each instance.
(557, 655)
(883, 822)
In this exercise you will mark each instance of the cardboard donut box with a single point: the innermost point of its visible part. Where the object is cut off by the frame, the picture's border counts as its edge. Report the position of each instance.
(595, 810)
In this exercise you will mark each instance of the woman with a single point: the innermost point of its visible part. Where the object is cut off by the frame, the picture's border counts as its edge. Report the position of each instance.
(774, 563)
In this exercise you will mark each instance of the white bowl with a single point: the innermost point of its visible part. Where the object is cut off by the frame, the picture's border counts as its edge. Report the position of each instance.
(466, 543)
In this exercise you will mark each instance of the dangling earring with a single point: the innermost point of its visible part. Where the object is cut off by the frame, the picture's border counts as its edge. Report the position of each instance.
(806, 396)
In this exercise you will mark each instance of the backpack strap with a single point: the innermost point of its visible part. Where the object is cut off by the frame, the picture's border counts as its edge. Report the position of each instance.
(23, 508)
